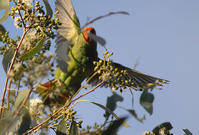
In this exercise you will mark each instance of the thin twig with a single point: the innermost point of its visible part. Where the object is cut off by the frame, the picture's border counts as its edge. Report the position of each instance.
(99, 84)
(36, 128)
(11, 65)
(103, 16)
(8, 94)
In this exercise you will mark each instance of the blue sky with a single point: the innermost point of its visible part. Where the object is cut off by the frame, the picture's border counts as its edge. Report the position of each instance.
(165, 35)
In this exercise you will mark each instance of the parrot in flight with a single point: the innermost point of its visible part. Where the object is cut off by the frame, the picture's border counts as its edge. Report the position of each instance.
(76, 52)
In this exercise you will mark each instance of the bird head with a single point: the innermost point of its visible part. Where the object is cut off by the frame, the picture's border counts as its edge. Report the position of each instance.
(86, 32)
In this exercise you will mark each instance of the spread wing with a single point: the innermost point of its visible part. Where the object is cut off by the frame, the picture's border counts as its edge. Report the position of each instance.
(121, 77)
(66, 32)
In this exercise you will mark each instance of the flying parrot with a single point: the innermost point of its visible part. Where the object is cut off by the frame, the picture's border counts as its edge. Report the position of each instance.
(76, 52)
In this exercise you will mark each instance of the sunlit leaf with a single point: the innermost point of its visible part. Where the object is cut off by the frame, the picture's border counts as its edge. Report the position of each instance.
(61, 128)
(49, 11)
(4, 5)
(132, 112)
(20, 98)
(7, 57)
(164, 127)
(8, 123)
(34, 50)
(187, 132)
(73, 128)
(146, 100)
(111, 103)
(113, 128)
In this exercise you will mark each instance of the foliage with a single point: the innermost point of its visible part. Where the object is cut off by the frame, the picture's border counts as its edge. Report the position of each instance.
(27, 61)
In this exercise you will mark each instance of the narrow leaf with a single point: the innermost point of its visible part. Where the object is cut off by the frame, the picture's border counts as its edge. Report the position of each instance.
(108, 110)
(187, 132)
(7, 57)
(4, 5)
(132, 112)
(34, 51)
(2, 29)
(113, 127)
(99, 39)
(61, 128)
(20, 98)
(146, 100)
(73, 128)
(49, 11)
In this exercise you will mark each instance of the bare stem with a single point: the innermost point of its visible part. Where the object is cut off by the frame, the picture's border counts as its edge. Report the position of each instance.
(11, 65)
(36, 128)
(8, 94)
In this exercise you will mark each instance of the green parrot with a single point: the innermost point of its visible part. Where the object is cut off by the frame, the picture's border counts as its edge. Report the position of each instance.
(76, 51)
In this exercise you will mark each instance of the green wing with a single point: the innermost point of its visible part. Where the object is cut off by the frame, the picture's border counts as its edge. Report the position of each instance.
(67, 32)
(70, 26)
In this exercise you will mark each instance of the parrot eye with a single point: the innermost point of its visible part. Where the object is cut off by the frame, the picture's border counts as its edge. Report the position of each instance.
(87, 31)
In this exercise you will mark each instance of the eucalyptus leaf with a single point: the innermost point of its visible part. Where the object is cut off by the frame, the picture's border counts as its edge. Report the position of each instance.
(2, 29)
(73, 128)
(61, 128)
(113, 128)
(7, 58)
(34, 50)
(108, 110)
(4, 5)
(20, 98)
(187, 132)
(98, 39)
(25, 124)
(146, 100)
(164, 127)
(49, 11)
(111, 103)
(132, 112)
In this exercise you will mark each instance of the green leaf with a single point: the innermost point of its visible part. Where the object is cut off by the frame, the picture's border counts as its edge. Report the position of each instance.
(8, 123)
(43, 133)
(49, 11)
(98, 39)
(163, 128)
(108, 110)
(187, 132)
(2, 29)
(4, 5)
(25, 124)
(7, 57)
(61, 128)
(111, 103)
(146, 100)
(73, 128)
(132, 112)
(34, 51)
(20, 98)
(113, 127)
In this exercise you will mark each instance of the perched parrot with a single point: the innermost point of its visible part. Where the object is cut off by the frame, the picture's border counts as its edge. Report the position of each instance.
(76, 52)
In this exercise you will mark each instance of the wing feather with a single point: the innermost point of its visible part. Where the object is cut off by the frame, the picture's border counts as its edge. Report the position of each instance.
(139, 81)
(66, 32)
